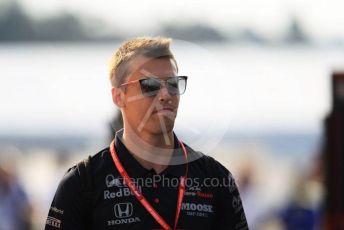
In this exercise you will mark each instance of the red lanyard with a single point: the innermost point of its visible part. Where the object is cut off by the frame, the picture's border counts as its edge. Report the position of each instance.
(139, 195)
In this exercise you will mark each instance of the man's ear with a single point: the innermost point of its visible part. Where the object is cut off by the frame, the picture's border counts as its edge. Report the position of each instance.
(118, 97)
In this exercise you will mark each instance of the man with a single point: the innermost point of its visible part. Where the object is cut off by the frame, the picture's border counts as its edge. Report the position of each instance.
(15, 208)
(147, 178)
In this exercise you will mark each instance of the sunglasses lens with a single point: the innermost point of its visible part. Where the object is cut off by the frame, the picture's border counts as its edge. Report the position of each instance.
(176, 85)
(150, 87)
(173, 86)
(181, 84)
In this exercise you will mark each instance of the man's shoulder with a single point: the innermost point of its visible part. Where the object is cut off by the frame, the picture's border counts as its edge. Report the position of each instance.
(75, 172)
(93, 159)
(99, 156)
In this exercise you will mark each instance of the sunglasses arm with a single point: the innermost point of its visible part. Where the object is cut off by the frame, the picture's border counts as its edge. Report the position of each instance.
(129, 82)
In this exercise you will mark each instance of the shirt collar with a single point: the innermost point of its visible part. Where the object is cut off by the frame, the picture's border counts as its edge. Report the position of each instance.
(135, 169)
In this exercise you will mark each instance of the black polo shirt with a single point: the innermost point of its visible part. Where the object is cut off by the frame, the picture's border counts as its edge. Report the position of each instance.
(211, 199)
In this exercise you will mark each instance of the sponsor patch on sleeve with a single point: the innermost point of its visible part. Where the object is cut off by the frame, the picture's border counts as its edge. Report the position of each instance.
(51, 221)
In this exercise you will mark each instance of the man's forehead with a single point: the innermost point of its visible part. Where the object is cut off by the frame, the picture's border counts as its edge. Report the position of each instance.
(165, 75)
(155, 67)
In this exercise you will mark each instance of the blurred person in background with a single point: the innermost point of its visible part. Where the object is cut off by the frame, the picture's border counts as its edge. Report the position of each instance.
(15, 209)
(305, 207)
(130, 184)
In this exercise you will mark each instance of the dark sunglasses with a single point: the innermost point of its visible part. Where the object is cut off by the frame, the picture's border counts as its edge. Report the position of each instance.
(151, 86)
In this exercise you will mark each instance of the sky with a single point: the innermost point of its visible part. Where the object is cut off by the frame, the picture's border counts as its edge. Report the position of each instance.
(320, 18)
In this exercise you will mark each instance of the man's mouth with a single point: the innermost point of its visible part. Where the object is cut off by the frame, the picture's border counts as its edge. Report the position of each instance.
(164, 110)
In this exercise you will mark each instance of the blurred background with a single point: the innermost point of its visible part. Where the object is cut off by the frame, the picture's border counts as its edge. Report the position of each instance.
(261, 85)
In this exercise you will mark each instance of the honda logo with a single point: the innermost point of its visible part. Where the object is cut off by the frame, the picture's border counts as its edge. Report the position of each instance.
(123, 210)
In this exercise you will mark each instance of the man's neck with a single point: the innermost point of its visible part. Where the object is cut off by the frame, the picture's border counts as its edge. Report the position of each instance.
(150, 150)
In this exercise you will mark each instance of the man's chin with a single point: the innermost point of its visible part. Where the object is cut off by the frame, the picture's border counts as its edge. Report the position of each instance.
(161, 129)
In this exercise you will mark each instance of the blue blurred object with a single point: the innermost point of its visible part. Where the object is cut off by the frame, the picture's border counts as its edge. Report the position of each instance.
(295, 217)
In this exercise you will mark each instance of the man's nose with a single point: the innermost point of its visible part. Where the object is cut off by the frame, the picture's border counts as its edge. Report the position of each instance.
(164, 95)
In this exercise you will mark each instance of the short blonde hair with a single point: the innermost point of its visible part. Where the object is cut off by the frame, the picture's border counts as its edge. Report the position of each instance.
(152, 47)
